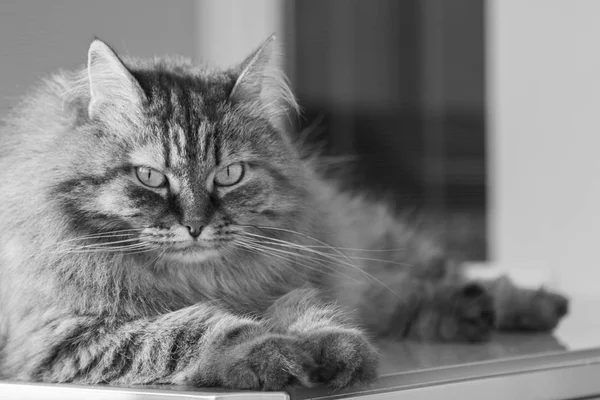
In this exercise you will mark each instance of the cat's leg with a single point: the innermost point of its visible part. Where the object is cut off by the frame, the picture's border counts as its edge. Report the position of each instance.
(450, 311)
(200, 345)
(460, 310)
(429, 310)
(340, 349)
(522, 309)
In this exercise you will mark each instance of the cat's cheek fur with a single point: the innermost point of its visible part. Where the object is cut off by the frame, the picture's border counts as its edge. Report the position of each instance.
(265, 195)
(113, 200)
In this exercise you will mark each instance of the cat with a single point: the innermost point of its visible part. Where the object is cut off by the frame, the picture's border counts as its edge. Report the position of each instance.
(160, 225)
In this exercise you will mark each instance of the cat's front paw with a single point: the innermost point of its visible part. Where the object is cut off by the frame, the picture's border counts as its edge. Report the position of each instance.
(343, 357)
(336, 357)
(268, 362)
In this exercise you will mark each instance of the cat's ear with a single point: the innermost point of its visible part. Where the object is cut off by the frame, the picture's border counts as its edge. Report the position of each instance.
(112, 87)
(261, 82)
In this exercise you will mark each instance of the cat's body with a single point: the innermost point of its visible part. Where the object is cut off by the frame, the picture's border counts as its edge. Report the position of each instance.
(227, 260)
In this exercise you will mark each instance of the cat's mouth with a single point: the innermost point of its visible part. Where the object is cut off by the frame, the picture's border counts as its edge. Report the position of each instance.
(180, 246)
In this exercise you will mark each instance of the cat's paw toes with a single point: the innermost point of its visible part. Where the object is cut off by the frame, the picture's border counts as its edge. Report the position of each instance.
(343, 356)
(468, 315)
(269, 362)
(536, 311)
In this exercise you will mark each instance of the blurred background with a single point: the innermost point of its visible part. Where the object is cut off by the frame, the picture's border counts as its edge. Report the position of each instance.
(483, 113)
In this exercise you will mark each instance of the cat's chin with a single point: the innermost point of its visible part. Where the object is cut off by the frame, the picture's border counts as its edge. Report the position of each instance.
(191, 257)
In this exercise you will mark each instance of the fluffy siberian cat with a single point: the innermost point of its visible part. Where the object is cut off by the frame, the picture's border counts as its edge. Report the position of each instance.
(159, 225)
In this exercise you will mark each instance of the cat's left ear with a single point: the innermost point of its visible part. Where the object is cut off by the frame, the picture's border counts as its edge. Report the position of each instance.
(262, 83)
(113, 90)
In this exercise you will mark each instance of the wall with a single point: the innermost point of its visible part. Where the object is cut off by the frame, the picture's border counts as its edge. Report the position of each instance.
(228, 30)
(39, 37)
(544, 125)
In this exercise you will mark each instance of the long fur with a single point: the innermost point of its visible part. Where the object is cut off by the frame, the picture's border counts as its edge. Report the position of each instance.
(293, 269)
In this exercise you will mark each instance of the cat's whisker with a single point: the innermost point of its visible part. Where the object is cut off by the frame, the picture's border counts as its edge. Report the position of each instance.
(293, 246)
(119, 232)
(321, 262)
(329, 256)
(99, 236)
(95, 247)
(326, 247)
(382, 261)
(251, 247)
(298, 255)
(308, 237)
(96, 251)
(91, 249)
(286, 243)
(109, 244)
(103, 235)
(339, 249)
(337, 260)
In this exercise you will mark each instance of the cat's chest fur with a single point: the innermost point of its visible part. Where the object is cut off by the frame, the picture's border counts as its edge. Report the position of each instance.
(130, 287)
(247, 286)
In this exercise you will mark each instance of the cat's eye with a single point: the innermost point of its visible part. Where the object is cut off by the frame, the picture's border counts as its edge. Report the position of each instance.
(150, 177)
(230, 175)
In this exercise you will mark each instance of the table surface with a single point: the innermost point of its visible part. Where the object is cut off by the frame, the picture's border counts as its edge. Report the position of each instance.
(578, 336)
(416, 362)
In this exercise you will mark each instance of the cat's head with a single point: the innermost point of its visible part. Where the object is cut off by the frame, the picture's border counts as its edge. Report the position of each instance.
(178, 159)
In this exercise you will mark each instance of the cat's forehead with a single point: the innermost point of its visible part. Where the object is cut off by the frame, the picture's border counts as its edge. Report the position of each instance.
(190, 124)
(180, 118)
(180, 92)
(174, 146)
(185, 146)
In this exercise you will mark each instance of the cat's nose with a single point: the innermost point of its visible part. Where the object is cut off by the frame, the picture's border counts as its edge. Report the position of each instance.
(194, 227)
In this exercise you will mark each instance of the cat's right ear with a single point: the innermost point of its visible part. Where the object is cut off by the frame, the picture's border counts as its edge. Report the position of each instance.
(112, 87)
(262, 83)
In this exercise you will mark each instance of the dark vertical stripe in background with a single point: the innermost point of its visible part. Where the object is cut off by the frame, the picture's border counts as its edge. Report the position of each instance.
(400, 85)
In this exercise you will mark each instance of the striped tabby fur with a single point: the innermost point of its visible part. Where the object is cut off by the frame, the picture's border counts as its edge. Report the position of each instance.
(101, 282)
